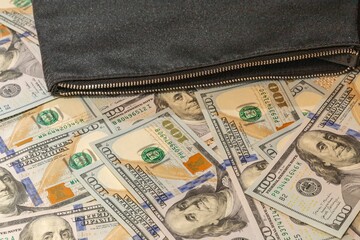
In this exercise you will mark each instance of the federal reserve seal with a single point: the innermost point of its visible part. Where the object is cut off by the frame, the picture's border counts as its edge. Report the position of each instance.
(10, 90)
(250, 113)
(80, 160)
(308, 187)
(47, 117)
(152, 155)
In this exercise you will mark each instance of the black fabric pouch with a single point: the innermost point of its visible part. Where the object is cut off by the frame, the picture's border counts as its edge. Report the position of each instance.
(109, 47)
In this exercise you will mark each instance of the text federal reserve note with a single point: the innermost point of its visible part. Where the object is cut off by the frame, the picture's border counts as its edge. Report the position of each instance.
(316, 177)
(81, 221)
(108, 191)
(170, 171)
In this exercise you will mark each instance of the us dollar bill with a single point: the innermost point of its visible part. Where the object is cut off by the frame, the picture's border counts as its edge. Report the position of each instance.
(277, 225)
(108, 191)
(168, 169)
(20, 6)
(19, 19)
(22, 85)
(37, 177)
(315, 178)
(123, 112)
(81, 221)
(46, 120)
(33, 48)
(307, 94)
(269, 147)
(241, 115)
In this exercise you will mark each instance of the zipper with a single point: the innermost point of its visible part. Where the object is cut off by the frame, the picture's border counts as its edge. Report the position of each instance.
(86, 89)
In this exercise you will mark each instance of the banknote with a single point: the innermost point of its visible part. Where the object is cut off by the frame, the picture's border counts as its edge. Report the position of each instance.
(22, 93)
(19, 21)
(34, 48)
(123, 112)
(108, 191)
(321, 83)
(171, 172)
(307, 94)
(22, 85)
(81, 221)
(49, 119)
(269, 147)
(315, 179)
(277, 225)
(241, 115)
(36, 176)
(20, 6)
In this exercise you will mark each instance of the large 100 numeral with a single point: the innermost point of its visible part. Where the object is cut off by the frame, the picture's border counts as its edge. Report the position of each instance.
(266, 182)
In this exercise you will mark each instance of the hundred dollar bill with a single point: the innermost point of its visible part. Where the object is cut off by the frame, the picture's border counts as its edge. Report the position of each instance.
(307, 94)
(316, 178)
(91, 222)
(20, 22)
(274, 224)
(241, 115)
(178, 179)
(22, 93)
(20, 6)
(124, 112)
(108, 191)
(34, 49)
(269, 147)
(36, 176)
(47, 120)
(21, 77)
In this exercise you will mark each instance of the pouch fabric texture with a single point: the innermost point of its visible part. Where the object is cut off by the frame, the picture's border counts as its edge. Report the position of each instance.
(111, 47)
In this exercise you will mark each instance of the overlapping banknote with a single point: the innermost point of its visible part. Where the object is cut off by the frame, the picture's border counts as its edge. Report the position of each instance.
(174, 165)
(124, 112)
(37, 176)
(315, 177)
(46, 120)
(81, 221)
(307, 93)
(177, 179)
(22, 84)
(241, 115)
(118, 201)
(18, 15)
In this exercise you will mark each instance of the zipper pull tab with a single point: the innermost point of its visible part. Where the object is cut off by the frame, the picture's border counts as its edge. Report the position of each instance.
(349, 60)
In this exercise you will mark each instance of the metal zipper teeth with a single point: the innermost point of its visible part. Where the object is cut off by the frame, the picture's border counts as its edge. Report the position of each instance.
(202, 85)
(209, 71)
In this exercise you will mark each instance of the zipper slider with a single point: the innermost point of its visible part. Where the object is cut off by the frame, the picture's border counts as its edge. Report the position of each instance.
(349, 60)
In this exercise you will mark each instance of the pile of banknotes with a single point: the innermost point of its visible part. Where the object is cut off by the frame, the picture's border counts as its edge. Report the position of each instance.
(256, 160)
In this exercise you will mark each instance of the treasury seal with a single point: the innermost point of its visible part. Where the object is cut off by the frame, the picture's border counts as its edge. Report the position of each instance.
(10, 90)
(250, 113)
(308, 187)
(152, 155)
(80, 160)
(47, 117)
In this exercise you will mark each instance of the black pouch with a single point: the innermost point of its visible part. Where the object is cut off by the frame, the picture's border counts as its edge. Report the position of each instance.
(109, 47)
